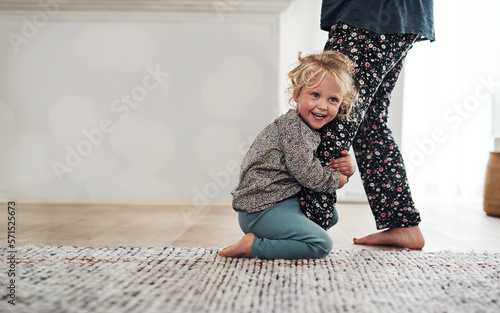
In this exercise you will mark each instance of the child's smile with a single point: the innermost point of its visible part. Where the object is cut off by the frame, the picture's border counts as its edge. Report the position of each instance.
(319, 116)
(319, 105)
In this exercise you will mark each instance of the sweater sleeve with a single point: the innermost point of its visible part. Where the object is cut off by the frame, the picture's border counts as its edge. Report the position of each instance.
(299, 143)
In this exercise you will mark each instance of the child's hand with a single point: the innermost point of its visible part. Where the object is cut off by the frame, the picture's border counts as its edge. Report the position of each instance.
(342, 181)
(345, 165)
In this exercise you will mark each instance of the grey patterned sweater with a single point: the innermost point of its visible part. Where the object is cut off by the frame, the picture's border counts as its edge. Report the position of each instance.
(279, 162)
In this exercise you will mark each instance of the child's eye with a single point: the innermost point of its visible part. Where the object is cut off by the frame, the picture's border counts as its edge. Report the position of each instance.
(334, 100)
(315, 95)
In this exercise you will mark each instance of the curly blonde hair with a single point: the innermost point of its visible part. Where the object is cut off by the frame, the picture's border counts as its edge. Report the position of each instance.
(314, 66)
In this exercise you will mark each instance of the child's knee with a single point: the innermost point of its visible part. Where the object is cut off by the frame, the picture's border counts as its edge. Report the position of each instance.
(323, 246)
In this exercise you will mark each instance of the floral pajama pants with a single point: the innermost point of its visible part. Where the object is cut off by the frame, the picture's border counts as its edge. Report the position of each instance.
(379, 60)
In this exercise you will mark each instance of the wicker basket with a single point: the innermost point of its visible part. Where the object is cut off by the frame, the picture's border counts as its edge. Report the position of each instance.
(492, 185)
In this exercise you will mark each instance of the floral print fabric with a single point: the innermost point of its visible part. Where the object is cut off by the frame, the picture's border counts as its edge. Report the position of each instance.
(379, 60)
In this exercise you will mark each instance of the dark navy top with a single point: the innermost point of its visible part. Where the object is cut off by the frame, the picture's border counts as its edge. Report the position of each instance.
(381, 16)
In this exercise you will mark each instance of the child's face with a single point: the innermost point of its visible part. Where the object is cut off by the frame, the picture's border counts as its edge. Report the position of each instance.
(319, 105)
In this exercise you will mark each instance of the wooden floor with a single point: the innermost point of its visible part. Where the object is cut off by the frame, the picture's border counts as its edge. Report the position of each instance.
(453, 227)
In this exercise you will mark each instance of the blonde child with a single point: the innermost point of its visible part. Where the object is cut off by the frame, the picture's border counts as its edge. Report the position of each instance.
(282, 160)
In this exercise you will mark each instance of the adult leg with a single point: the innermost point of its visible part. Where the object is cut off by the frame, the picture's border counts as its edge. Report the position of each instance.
(381, 165)
(281, 232)
(384, 178)
(375, 55)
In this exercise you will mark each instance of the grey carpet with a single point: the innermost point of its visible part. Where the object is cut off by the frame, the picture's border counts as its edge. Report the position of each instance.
(125, 279)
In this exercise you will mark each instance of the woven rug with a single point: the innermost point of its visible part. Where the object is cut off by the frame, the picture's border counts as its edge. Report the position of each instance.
(125, 279)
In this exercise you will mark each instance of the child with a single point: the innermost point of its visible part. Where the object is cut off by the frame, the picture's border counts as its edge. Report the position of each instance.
(282, 160)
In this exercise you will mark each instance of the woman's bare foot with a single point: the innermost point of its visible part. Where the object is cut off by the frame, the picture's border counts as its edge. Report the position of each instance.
(410, 237)
(241, 249)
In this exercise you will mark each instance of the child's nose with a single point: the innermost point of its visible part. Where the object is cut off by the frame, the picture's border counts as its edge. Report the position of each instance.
(322, 106)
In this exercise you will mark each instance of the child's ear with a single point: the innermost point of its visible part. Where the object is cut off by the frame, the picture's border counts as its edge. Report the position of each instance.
(297, 95)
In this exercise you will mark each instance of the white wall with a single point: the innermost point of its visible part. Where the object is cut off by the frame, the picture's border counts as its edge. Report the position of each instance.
(153, 107)
(101, 110)
(453, 87)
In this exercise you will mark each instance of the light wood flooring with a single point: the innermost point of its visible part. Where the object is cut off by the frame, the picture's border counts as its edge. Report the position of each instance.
(446, 226)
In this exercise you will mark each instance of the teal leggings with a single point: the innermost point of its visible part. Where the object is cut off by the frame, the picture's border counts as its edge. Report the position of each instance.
(284, 232)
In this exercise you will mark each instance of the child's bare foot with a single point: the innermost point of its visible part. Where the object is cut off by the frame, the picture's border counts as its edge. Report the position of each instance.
(410, 237)
(241, 249)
